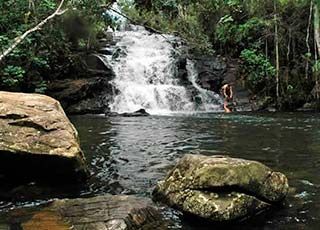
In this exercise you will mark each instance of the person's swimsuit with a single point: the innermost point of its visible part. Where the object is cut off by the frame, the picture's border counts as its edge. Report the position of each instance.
(228, 93)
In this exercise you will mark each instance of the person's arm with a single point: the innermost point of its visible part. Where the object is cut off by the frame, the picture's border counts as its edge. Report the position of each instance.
(225, 91)
(231, 92)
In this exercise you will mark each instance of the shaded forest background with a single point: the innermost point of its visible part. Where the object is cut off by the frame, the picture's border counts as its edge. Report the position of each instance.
(277, 42)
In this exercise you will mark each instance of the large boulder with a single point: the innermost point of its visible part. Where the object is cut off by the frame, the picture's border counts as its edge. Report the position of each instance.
(99, 213)
(220, 188)
(37, 140)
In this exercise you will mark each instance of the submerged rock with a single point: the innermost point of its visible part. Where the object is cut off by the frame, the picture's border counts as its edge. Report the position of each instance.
(99, 213)
(220, 188)
(138, 113)
(37, 140)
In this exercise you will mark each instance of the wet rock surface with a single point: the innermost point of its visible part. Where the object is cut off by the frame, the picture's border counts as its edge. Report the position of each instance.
(99, 213)
(37, 140)
(211, 72)
(89, 93)
(220, 188)
(82, 96)
(96, 64)
(138, 113)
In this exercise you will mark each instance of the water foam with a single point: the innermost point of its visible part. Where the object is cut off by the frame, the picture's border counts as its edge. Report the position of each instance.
(146, 76)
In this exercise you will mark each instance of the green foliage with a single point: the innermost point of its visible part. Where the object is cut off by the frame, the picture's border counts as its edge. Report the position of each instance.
(13, 75)
(231, 33)
(170, 16)
(258, 69)
(55, 49)
(316, 68)
(41, 87)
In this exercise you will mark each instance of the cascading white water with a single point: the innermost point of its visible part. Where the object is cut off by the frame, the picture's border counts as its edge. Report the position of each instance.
(209, 100)
(146, 76)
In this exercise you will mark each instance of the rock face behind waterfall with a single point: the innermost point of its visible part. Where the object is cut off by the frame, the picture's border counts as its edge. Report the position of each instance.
(91, 93)
(37, 140)
(221, 188)
(211, 72)
(82, 96)
(98, 213)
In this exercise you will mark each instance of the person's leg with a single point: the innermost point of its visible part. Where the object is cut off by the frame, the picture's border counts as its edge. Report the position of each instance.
(226, 108)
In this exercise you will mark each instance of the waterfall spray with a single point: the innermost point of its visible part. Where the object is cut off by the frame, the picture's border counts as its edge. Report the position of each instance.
(146, 76)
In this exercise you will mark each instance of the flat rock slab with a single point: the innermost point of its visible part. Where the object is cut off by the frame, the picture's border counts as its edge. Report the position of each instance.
(99, 213)
(37, 140)
(220, 188)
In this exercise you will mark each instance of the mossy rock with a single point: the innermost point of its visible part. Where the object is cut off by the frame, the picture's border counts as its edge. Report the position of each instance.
(220, 188)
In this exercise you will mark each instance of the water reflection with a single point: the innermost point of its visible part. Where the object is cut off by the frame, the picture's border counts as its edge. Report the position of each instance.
(129, 155)
(139, 151)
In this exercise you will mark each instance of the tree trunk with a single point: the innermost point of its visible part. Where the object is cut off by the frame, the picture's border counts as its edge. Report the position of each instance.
(317, 43)
(276, 40)
(317, 27)
(307, 40)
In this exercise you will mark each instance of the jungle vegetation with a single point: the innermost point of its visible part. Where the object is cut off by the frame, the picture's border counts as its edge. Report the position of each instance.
(277, 42)
(53, 50)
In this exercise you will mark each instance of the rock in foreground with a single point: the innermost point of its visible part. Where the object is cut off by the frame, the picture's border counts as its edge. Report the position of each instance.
(99, 213)
(37, 140)
(220, 188)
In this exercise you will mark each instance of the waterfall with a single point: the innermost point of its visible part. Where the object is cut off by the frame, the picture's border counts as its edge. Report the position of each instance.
(209, 101)
(146, 76)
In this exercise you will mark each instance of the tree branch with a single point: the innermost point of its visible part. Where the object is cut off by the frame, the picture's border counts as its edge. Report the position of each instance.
(136, 23)
(19, 39)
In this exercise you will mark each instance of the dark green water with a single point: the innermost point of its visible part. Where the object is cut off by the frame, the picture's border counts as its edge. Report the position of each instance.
(129, 155)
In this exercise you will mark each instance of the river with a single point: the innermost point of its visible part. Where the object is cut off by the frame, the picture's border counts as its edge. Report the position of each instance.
(129, 155)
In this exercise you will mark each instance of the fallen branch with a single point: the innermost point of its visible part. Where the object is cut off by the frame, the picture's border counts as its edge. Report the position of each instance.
(19, 39)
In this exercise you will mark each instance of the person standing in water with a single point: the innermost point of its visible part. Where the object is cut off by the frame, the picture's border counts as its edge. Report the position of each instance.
(227, 92)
